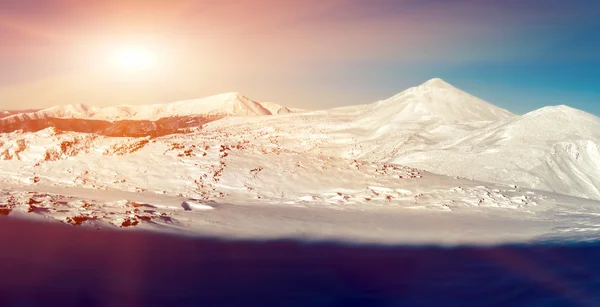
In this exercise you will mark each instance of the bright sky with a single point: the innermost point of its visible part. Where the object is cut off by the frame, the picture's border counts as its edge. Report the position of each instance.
(520, 55)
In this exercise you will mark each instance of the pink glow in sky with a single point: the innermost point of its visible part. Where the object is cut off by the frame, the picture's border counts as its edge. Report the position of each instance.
(306, 54)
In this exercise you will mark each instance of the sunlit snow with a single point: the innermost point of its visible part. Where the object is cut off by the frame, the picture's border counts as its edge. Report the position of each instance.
(431, 164)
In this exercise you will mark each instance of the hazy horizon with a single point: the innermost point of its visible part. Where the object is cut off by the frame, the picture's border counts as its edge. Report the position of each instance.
(313, 54)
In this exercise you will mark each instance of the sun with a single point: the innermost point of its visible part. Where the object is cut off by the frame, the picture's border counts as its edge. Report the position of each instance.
(134, 59)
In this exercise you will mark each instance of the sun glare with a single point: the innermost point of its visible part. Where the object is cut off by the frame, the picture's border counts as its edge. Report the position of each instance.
(133, 59)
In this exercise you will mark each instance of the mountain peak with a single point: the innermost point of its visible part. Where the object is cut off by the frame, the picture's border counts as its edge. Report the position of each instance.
(436, 83)
(231, 95)
(438, 99)
(560, 110)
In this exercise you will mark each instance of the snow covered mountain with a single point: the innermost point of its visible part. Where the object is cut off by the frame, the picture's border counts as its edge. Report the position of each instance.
(139, 120)
(277, 109)
(231, 104)
(427, 149)
(7, 113)
(553, 148)
(435, 100)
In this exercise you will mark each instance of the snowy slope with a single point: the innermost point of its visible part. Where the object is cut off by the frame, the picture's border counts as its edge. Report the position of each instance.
(275, 108)
(435, 100)
(413, 120)
(7, 113)
(186, 183)
(229, 103)
(432, 149)
(554, 148)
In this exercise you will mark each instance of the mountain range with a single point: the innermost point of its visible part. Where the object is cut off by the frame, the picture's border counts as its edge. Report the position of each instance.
(138, 120)
(430, 147)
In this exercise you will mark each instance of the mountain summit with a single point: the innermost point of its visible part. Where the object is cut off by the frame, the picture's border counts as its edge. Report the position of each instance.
(437, 83)
(438, 100)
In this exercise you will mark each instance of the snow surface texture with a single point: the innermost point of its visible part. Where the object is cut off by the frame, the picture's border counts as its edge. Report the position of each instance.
(431, 164)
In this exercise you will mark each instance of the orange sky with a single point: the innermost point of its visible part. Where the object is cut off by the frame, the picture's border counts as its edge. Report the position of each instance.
(307, 54)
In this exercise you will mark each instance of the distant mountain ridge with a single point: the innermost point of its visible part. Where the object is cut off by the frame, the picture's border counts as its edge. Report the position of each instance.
(229, 104)
(7, 113)
(138, 120)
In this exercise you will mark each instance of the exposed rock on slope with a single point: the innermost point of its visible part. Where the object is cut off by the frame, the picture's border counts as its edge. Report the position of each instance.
(138, 121)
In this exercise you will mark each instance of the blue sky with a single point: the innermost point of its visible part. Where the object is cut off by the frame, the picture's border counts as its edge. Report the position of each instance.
(537, 53)
(520, 55)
